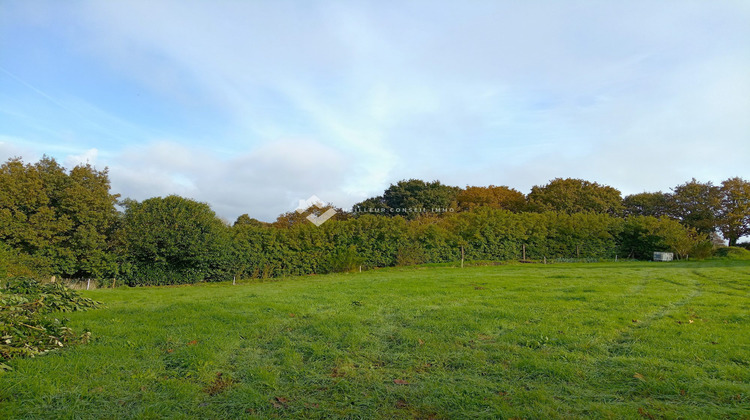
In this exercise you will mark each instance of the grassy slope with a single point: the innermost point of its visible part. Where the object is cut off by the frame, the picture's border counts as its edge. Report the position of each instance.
(533, 341)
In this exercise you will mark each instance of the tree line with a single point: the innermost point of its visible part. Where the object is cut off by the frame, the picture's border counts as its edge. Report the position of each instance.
(705, 207)
(55, 221)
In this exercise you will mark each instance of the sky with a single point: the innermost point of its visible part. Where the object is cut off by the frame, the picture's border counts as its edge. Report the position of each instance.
(251, 106)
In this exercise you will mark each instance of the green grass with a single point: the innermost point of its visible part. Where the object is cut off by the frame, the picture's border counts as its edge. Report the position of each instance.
(625, 340)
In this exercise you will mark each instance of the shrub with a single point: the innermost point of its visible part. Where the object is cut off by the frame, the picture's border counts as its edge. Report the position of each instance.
(702, 250)
(410, 255)
(733, 253)
(343, 260)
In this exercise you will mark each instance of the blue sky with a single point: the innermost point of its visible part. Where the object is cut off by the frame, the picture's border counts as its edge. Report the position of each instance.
(253, 105)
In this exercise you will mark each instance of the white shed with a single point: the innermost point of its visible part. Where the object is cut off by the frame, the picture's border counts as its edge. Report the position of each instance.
(663, 256)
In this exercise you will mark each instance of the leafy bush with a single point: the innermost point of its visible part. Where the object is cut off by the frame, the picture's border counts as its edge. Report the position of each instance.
(643, 235)
(174, 240)
(160, 275)
(26, 329)
(702, 250)
(733, 253)
(343, 260)
(410, 255)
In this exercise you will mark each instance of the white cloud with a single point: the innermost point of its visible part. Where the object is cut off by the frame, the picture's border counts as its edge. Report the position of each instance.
(264, 182)
(12, 147)
(87, 157)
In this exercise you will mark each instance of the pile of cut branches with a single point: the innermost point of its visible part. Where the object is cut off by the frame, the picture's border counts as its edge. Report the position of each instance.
(27, 326)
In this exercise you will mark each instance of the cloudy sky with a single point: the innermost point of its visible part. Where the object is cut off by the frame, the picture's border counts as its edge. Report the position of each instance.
(253, 105)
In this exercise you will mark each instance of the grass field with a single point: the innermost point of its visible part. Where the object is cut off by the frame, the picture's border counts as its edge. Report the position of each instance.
(625, 340)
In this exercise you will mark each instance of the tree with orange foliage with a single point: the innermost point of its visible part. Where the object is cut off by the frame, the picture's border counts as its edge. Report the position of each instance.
(501, 197)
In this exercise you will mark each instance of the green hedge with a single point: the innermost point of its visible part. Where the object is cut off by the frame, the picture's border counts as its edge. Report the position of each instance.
(484, 233)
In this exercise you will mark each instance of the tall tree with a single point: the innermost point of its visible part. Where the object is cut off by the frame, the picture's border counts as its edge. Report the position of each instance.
(572, 195)
(27, 219)
(63, 220)
(86, 201)
(245, 219)
(697, 205)
(495, 197)
(413, 198)
(734, 216)
(655, 204)
(373, 205)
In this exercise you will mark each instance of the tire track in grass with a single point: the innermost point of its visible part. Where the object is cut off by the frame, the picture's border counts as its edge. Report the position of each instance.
(637, 288)
(621, 344)
(724, 284)
(611, 371)
(645, 376)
